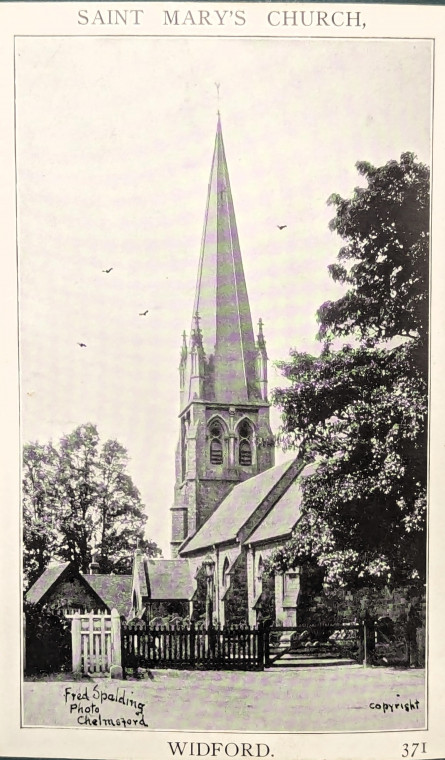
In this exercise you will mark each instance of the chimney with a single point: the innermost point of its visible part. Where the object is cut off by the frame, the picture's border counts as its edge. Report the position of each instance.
(94, 565)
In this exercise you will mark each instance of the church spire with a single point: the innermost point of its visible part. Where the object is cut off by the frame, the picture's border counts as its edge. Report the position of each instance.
(184, 348)
(261, 361)
(221, 296)
(224, 411)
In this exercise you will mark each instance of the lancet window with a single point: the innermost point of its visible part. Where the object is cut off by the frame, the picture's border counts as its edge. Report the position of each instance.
(216, 443)
(225, 574)
(260, 570)
(245, 444)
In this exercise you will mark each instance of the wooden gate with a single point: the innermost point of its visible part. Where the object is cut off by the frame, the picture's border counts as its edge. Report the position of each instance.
(96, 641)
(315, 644)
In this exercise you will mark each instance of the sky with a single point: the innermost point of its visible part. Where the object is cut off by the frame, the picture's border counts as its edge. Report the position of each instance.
(114, 141)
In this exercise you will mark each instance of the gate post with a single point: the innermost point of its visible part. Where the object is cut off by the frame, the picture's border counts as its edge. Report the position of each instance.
(370, 644)
(76, 643)
(211, 637)
(361, 642)
(116, 646)
(192, 640)
(124, 633)
(368, 638)
(261, 644)
(266, 639)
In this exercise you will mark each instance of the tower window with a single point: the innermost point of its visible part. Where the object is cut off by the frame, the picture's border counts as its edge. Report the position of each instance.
(245, 454)
(216, 443)
(245, 445)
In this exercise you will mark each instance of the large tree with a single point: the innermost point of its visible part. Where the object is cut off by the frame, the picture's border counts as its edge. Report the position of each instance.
(39, 510)
(78, 498)
(360, 409)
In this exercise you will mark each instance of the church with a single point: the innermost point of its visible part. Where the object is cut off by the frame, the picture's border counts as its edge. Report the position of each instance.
(232, 505)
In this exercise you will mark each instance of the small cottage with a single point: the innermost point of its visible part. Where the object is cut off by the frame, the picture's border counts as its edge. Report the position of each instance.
(62, 586)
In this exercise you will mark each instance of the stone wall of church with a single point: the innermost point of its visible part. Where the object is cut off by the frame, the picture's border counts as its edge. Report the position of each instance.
(179, 525)
(236, 600)
(219, 556)
(264, 441)
(226, 555)
(200, 484)
(256, 554)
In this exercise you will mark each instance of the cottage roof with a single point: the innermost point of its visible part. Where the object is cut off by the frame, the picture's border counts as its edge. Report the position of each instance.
(45, 582)
(167, 579)
(114, 590)
(284, 515)
(233, 512)
(111, 590)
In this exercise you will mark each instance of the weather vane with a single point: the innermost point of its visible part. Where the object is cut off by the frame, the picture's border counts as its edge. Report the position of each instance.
(217, 85)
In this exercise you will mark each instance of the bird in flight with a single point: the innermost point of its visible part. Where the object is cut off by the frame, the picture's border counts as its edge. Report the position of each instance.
(107, 271)
(281, 226)
(143, 313)
(82, 345)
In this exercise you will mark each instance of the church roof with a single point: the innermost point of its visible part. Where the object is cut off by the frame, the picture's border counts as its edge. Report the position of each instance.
(221, 299)
(167, 579)
(236, 509)
(284, 515)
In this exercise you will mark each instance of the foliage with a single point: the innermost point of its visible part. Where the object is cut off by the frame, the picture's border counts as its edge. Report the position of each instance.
(360, 411)
(385, 226)
(48, 640)
(39, 509)
(78, 497)
(200, 595)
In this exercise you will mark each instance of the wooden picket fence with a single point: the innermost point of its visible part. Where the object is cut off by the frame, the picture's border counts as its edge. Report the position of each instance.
(192, 646)
(102, 644)
(96, 641)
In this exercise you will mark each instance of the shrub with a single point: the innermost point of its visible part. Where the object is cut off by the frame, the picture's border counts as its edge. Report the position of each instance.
(48, 640)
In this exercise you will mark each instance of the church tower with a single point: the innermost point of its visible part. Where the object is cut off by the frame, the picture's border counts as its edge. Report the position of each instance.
(225, 434)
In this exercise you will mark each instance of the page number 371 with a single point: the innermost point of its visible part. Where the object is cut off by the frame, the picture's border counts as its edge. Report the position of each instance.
(414, 749)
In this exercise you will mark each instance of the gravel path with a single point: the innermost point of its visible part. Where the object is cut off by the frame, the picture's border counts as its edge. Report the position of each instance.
(307, 699)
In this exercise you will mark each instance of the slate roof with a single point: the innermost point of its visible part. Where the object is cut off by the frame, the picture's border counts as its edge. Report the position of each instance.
(114, 590)
(168, 579)
(224, 524)
(284, 515)
(43, 584)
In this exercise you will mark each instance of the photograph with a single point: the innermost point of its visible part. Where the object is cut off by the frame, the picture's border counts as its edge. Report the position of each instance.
(223, 274)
